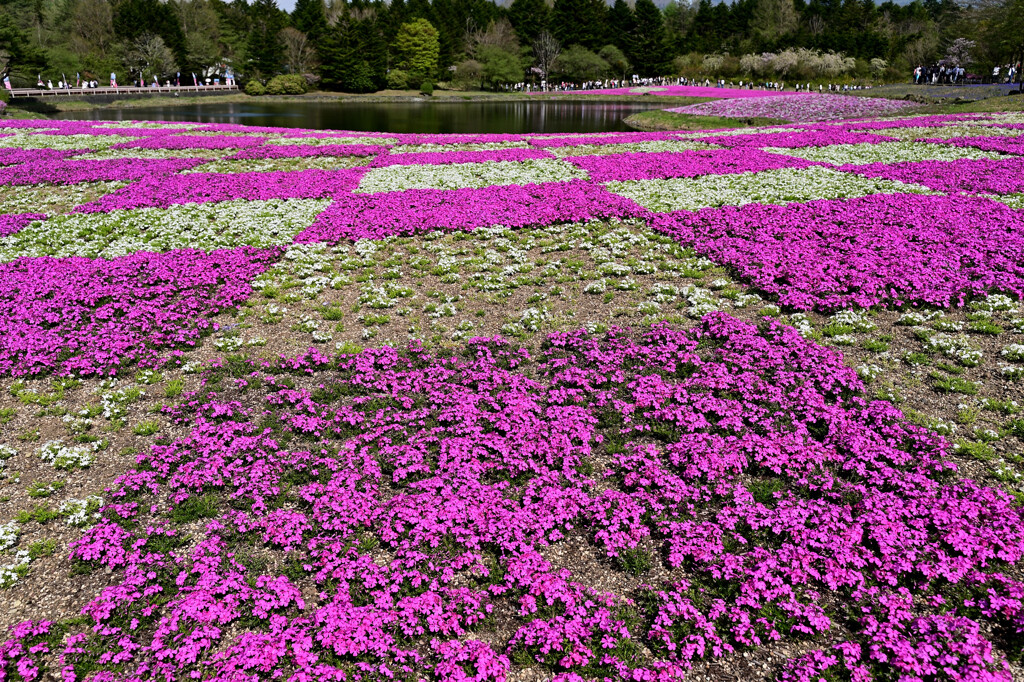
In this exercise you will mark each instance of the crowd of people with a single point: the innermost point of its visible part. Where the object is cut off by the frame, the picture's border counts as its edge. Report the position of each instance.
(940, 74)
(944, 74)
(612, 83)
(140, 82)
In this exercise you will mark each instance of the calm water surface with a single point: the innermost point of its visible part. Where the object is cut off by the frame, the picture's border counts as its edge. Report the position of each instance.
(395, 117)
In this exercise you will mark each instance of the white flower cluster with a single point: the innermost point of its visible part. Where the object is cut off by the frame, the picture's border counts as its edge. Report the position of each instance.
(77, 423)
(115, 402)
(868, 372)
(1011, 373)
(6, 452)
(1014, 352)
(777, 186)
(9, 573)
(209, 226)
(995, 303)
(228, 344)
(386, 296)
(1005, 472)
(67, 457)
(9, 533)
(858, 319)
(466, 175)
(915, 318)
(82, 512)
(956, 347)
(802, 323)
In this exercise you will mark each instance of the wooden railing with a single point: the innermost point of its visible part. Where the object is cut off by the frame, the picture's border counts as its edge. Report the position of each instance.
(120, 90)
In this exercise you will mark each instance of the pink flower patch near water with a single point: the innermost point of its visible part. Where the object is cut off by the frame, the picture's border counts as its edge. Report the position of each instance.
(86, 316)
(374, 216)
(690, 164)
(897, 249)
(808, 107)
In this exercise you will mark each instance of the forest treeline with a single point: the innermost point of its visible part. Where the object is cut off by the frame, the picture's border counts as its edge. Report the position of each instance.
(365, 45)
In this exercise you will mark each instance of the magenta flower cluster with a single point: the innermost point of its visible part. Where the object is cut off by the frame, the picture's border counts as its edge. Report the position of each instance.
(884, 249)
(689, 164)
(74, 171)
(413, 504)
(374, 216)
(985, 176)
(805, 108)
(160, 191)
(86, 316)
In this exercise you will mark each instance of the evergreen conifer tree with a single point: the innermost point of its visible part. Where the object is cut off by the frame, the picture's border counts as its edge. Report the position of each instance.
(263, 48)
(649, 49)
(310, 17)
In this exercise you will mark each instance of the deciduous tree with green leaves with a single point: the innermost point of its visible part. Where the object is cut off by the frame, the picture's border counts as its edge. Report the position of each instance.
(417, 48)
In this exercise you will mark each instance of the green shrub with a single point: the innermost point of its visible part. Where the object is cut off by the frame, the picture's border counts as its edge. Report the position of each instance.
(398, 79)
(427, 88)
(291, 84)
(255, 88)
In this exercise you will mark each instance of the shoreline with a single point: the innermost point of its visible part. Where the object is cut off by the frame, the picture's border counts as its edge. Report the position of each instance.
(51, 107)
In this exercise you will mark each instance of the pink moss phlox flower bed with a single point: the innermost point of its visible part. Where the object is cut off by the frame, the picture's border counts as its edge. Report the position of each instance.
(10, 156)
(18, 124)
(876, 250)
(1004, 145)
(932, 121)
(440, 158)
(12, 222)
(93, 316)
(458, 138)
(191, 142)
(807, 107)
(689, 91)
(983, 176)
(603, 139)
(290, 151)
(811, 138)
(689, 164)
(211, 187)
(405, 502)
(374, 216)
(73, 171)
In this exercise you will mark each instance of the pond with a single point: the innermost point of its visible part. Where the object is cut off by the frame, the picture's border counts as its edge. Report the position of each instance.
(438, 116)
